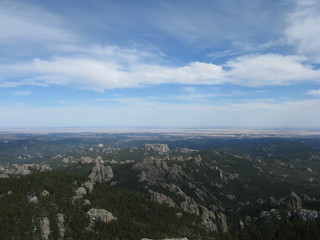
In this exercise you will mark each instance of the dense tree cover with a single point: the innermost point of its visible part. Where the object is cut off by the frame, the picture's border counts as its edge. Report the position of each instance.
(137, 217)
(295, 229)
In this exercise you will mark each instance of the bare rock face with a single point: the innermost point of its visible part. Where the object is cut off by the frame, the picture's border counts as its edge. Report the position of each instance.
(197, 160)
(89, 185)
(151, 170)
(23, 170)
(159, 147)
(102, 215)
(155, 171)
(162, 199)
(190, 206)
(86, 160)
(101, 173)
(293, 201)
(221, 221)
(61, 225)
(45, 228)
(80, 191)
(4, 175)
(33, 199)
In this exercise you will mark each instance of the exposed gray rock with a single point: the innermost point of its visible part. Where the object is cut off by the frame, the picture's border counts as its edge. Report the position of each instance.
(306, 214)
(197, 160)
(25, 169)
(221, 221)
(190, 206)
(102, 215)
(159, 147)
(155, 171)
(80, 191)
(293, 201)
(61, 225)
(33, 199)
(4, 175)
(45, 228)
(161, 198)
(86, 160)
(101, 173)
(89, 185)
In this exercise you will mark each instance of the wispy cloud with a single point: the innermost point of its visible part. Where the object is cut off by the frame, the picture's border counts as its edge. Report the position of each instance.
(22, 93)
(24, 23)
(314, 92)
(303, 28)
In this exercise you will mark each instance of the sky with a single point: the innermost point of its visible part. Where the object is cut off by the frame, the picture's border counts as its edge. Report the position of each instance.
(164, 64)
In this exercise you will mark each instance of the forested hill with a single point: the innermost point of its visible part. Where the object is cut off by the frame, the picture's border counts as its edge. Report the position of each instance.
(56, 205)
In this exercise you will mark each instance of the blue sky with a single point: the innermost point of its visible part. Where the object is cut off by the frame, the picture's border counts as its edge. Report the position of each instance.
(166, 63)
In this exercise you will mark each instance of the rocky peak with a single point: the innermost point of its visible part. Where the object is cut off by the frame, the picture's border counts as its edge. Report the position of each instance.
(101, 173)
(155, 171)
(159, 147)
(293, 201)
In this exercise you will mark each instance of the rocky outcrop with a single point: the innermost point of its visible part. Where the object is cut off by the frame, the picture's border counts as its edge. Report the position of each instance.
(102, 215)
(23, 170)
(159, 147)
(197, 160)
(61, 224)
(190, 206)
(101, 173)
(26, 169)
(162, 199)
(293, 202)
(89, 185)
(33, 199)
(4, 175)
(155, 171)
(45, 228)
(86, 160)
(80, 191)
(224, 176)
(100, 148)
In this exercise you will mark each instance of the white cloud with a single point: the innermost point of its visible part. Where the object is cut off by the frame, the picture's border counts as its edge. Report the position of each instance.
(112, 67)
(269, 70)
(314, 92)
(22, 93)
(303, 28)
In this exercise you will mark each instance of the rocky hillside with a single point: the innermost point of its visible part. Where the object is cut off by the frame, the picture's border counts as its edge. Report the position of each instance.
(226, 192)
(61, 206)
